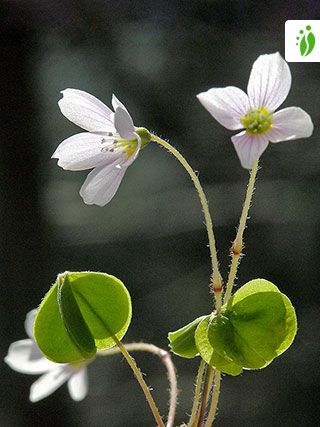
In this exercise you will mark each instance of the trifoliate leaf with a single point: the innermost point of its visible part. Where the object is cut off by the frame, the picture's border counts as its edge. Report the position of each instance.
(82, 312)
(257, 325)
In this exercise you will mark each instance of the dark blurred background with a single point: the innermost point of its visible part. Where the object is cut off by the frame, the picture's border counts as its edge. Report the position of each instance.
(155, 56)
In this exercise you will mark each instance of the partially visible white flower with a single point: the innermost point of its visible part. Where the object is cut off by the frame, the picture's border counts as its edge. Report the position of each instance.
(268, 86)
(110, 146)
(25, 356)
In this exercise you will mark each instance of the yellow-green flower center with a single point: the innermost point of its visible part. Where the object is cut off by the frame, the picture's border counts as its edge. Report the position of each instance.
(130, 145)
(257, 121)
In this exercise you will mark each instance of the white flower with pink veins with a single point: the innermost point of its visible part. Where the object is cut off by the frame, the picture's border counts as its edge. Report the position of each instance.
(268, 87)
(24, 356)
(110, 146)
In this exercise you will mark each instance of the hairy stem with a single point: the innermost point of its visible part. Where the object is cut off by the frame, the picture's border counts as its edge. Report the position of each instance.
(237, 247)
(214, 401)
(195, 408)
(216, 277)
(205, 395)
(165, 358)
(122, 348)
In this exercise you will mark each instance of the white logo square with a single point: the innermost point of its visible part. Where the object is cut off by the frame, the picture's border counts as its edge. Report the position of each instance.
(302, 40)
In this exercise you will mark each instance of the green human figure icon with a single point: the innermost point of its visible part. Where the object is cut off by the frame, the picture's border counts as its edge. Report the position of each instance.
(306, 40)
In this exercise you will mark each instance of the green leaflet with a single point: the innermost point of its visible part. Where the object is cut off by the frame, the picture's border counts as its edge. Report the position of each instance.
(182, 341)
(82, 312)
(215, 356)
(72, 319)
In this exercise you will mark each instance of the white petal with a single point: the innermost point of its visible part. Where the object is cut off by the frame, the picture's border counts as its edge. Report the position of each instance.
(116, 104)
(86, 111)
(290, 123)
(50, 382)
(24, 356)
(123, 123)
(102, 184)
(227, 105)
(83, 151)
(28, 324)
(269, 82)
(249, 148)
(78, 384)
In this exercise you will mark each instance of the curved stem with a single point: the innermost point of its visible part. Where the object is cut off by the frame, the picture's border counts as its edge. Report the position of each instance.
(167, 361)
(215, 398)
(216, 277)
(123, 349)
(195, 408)
(237, 247)
(205, 395)
(171, 372)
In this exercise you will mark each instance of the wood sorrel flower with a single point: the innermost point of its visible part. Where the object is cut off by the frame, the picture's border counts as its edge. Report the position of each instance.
(268, 86)
(24, 356)
(111, 145)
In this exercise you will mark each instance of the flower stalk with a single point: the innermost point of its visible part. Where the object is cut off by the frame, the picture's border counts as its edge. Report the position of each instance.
(216, 279)
(237, 246)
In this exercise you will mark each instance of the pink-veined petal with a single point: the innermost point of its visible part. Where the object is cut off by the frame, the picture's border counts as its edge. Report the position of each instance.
(249, 148)
(50, 382)
(269, 82)
(28, 323)
(25, 357)
(83, 151)
(78, 384)
(86, 111)
(290, 123)
(102, 184)
(227, 105)
(123, 123)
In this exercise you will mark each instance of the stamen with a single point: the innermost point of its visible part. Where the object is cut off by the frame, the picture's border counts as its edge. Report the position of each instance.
(257, 121)
(115, 143)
